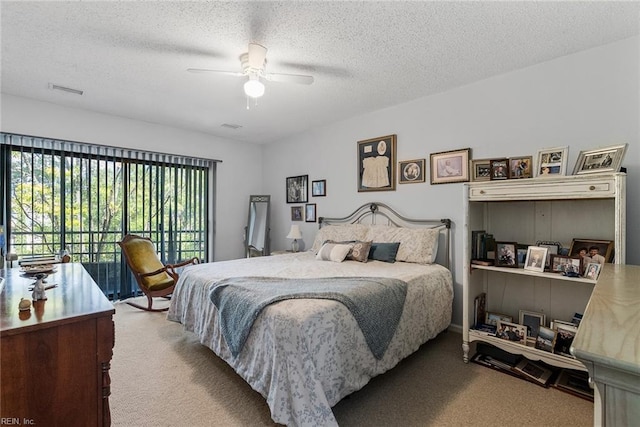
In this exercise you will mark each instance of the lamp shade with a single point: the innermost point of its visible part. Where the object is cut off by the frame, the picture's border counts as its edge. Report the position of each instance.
(254, 88)
(294, 233)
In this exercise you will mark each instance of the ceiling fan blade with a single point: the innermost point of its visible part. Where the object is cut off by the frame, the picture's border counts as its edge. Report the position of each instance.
(289, 78)
(257, 55)
(204, 70)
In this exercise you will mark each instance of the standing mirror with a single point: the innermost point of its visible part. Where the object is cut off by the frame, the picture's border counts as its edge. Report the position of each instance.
(256, 233)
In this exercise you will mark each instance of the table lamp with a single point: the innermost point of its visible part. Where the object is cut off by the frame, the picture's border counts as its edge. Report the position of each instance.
(294, 234)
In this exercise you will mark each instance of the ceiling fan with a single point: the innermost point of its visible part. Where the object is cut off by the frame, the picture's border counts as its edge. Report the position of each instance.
(254, 63)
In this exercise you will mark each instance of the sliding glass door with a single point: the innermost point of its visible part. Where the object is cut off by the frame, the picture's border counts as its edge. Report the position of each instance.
(82, 198)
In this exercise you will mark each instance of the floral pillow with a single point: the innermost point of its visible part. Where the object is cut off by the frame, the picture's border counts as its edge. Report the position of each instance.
(339, 233)
(418, 245)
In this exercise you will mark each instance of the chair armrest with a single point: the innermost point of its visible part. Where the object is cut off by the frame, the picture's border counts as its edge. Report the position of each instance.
(153, 273)
(183, 263)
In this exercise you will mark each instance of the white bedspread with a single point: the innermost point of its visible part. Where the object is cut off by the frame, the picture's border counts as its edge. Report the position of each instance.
(305, 355)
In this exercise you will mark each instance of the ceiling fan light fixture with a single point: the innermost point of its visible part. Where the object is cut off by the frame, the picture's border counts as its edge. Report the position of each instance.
(254, 88)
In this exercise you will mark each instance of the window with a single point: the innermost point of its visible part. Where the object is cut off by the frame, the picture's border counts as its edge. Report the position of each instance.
(61, 195)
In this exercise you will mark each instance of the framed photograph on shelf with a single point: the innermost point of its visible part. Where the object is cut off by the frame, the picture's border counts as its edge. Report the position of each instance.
(532, 320)
(552, 162)
(536, 258)
(592, 270)
(605, 247)
(512, 332)
(480, 169)
(566, 265)
(499, 169)
(506, 254)
(319, 188)
(607, 159)
(296, 213)
(412, 171)
(564, 339)
(545, 339)
(492, 318)
(310, 212)
(298, 189)
(520, 167)
(553, 248)
(450, 166)
(377, 164)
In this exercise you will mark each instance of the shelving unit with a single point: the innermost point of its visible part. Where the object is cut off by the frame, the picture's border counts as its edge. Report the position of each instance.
(525, 211)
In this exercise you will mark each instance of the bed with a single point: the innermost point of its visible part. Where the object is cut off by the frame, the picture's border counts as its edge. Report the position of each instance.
(305, 354)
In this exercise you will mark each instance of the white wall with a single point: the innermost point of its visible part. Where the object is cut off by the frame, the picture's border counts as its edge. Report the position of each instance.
(29, 117)
(586, 100)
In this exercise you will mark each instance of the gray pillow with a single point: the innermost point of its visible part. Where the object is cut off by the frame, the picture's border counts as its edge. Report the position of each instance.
(384, 251)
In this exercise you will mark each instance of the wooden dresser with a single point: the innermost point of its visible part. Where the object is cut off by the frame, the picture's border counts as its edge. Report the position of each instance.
(608, 343)
(55, 358)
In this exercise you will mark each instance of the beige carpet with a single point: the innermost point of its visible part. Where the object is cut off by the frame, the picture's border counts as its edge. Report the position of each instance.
(162, 376)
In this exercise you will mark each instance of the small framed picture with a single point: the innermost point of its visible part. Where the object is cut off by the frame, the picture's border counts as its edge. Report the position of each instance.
(545, 339)
(506, 254)
(536, 258)
(319, 188)
(296, 213)
(450, 166)
(499, 169)
(567, 265)
(377, 164)
(592, 270)
(310, 212)
(412, 171)
(298, 189)
(512, 332)
(520, 167)
(552, 162)
(607, 159)
(480, 169)
(564, 339)
(553, 248)
(532, 320)
(592, 247)
(492, 318)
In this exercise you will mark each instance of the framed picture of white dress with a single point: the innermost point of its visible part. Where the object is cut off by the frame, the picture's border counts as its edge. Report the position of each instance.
(377, 164)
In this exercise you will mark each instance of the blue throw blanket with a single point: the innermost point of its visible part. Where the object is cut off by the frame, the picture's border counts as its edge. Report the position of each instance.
(375, 302)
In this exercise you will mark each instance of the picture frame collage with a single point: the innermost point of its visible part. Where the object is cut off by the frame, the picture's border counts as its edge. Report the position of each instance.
(548, 162)
(584, 258)
(297, 191)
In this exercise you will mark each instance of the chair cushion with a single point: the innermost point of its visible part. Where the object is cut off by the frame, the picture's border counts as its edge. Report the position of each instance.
(144, 259)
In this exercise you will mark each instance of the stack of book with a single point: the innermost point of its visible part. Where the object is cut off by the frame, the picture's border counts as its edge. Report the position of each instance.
(483, 246)
(514, 365)
(38, 260)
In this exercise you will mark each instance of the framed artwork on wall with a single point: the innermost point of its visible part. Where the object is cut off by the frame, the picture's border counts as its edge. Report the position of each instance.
(319, 188)
(298, 189)
(412, 171)
(310, 212)
(377, 164)
(450, 166)
(296, 213)
(552, 161)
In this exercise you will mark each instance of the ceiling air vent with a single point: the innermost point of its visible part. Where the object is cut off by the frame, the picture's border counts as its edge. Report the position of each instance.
(53, 86)
(230, 126)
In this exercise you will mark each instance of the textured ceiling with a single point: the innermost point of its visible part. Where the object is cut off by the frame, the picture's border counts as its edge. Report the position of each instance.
(130, 58)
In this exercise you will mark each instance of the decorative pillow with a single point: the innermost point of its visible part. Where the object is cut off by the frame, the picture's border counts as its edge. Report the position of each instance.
(339, 233)
(359, 250)
(419, 245)
(384, 251)
(335, 252)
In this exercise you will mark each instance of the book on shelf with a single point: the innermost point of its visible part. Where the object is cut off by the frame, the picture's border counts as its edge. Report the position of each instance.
(479, 308)
(483, 261)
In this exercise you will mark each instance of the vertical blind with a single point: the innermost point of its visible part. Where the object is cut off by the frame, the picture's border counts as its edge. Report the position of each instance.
(61, 195)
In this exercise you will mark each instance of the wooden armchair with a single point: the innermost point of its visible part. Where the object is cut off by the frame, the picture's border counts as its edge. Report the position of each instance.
(154, 278)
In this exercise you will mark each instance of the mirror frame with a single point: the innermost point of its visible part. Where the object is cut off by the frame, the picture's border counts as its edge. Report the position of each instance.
(250, 250)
